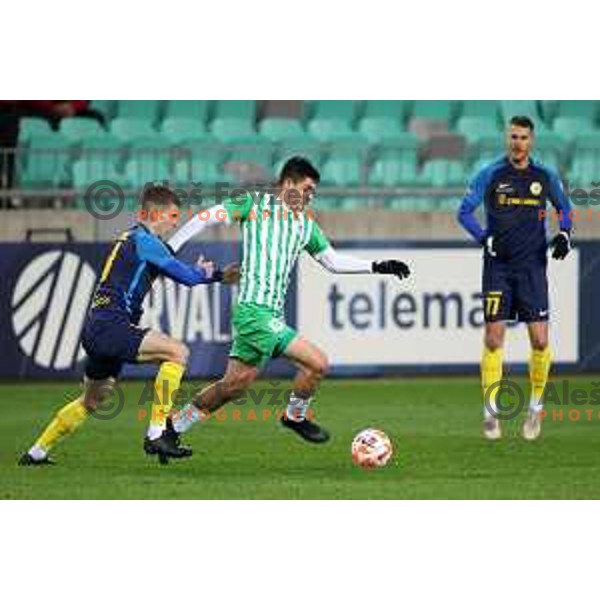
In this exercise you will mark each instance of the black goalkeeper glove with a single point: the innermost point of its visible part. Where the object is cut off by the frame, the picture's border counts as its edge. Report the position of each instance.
(391, 267)
(561, 245)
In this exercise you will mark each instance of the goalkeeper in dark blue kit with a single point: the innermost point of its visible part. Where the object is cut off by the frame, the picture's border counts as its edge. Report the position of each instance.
(514, 191)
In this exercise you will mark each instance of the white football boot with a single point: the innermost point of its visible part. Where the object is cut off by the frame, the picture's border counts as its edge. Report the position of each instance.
(491, 429)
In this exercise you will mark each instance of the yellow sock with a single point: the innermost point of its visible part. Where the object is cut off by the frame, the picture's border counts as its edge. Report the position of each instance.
(167, 382)
(66, 420)
(491, 373)
(539, 368)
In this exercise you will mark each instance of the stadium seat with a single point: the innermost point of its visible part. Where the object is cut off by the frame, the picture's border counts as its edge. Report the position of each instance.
(483, 109)
(393, 173)
(77, 130)
(127, 129)
(232, 128)
(46, 162)
(279, 129)
(397, 110)
(206, 172)
(342, 171)
(335, 109)
(442, 110)
(376, 129)
(147, 110)
(89, 170)
(581, 109)
(570, 127)
(107, 107)
(32, 127)
(528, 108)
(177, 129)
(259, 152)
(236, 109)
(584, 171)
(474, 128)
(196, 110)
(488, 147)
(139, 172)
(549, 110)
(326, 130)
(411, 204)
(549, 148)
(403, 147)
(443, 173)
(356, 204)
(104, 147)
(303, 145)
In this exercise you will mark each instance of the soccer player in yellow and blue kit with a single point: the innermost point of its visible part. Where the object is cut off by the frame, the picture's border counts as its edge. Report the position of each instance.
(112, 336)
(514, 191)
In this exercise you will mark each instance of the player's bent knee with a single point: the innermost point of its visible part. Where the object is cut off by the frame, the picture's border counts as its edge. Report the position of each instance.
(97, 392)
(179, 353)
(321, 367)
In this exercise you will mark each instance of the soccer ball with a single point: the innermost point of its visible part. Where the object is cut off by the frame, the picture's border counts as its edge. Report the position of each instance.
(371, 449)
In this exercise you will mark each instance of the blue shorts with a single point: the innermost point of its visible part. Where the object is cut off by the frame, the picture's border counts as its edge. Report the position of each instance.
(514, 292)
(110, 340)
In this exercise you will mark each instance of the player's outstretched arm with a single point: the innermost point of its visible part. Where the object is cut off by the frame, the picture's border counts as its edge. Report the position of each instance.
(210, 217)
(154, 251)
(336, 262)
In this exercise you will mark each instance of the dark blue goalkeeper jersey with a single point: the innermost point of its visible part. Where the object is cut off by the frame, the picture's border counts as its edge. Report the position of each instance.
(515, 204)
(137, 257)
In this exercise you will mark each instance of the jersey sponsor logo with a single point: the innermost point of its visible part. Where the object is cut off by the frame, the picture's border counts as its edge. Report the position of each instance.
(536, 188)
(49, 304)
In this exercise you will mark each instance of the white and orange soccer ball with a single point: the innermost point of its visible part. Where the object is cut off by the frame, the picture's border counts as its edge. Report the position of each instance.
(371, 449)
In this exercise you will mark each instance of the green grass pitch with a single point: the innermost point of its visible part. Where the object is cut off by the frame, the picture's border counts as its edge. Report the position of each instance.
(434, 424)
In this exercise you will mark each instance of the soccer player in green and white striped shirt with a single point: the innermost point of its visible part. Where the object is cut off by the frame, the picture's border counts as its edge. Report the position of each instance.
(275, 230)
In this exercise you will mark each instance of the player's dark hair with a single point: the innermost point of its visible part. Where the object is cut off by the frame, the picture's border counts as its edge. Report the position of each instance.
(158, 195)
(522, 121)
(298, 168)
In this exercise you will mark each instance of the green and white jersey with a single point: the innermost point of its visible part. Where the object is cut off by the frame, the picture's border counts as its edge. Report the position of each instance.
(273, 236)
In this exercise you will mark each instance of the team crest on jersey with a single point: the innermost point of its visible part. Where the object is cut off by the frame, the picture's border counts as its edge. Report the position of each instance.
(535, 188)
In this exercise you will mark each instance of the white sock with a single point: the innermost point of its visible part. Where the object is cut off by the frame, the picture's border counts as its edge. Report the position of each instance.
(297, 407)
(535, 406)
(186, 417)
(489, 412)
(155, 431)
(37, 453)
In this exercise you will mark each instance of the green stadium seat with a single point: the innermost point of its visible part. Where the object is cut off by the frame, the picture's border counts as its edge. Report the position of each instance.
(196, 110)
(32, 127)
(352, 204)
(393, 173)
(139, 172)
(278, 129)
(342, 171)
(147, 110)
(207, 149)
(376, 129)
(581, 109)
(587, 142)
(231, 128)
(259, 152)
(571, 127)
(474, 128)
(326, 130)
(549, 148)
(78, 130)
(107, 107)
(584, 171)
(451, 204)
(442, 110)
(201, 171)
(46, 162)
(483, 109)
(528, 108)
(105, 147)
(397, 110)
(411, 204)
(335, 109)
(488, 147)
(443, 173)
(177, 129)
(303, 145)
(236, 109)
(549, 110)
(89, 170)
(403, 147)
(127, 129)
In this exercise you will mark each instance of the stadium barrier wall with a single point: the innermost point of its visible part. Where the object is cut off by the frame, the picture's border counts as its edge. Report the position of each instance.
(369, 326)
